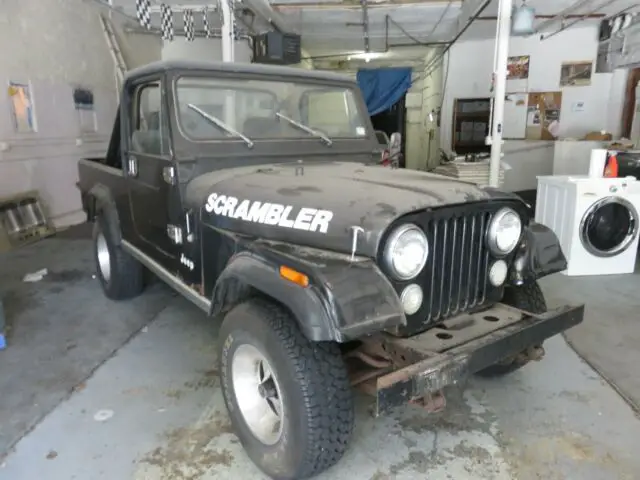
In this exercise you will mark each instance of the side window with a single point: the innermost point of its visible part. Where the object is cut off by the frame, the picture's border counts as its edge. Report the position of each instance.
(150, 132)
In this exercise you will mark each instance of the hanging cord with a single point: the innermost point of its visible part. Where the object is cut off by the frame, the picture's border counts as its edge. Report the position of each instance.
(435, 27)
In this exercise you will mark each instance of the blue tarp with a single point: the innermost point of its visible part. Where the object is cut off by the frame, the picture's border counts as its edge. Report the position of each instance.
(383, 87)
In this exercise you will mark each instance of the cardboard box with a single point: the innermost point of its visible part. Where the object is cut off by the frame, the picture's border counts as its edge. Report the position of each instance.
(598, 136)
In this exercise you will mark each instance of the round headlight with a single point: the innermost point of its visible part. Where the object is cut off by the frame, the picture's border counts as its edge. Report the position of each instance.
(504, 231)
(406, 252)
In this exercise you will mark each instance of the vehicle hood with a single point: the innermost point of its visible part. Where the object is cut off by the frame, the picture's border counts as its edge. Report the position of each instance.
(319, 204)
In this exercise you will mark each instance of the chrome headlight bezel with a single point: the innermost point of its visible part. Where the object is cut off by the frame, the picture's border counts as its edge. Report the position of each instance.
(492, 231)
(391, 244)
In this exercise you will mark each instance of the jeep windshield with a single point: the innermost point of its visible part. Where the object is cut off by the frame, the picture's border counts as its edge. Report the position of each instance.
(266, 110)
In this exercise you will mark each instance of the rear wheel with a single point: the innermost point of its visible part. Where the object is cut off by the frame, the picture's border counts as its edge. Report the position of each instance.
(527, 297)
(289, 399)
(121, 275)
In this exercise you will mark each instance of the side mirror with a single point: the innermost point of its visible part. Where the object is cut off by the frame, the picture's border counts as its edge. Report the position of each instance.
(382, 138)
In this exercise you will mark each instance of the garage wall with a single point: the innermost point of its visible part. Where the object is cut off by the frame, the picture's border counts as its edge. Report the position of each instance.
(69, 50)
(431, 103)
(203, 49)
(471, 64)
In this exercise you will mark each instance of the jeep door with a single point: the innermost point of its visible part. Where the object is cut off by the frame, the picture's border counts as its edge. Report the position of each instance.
(153, 196)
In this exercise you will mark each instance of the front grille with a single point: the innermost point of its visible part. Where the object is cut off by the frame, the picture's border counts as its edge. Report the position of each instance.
(455, 278)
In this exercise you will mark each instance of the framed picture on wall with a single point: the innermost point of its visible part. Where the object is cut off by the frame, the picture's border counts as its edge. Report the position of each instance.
(575, 74)
(518, 67)
(22, 110)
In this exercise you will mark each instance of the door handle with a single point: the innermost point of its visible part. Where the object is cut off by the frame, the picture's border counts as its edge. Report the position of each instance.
(133, 166)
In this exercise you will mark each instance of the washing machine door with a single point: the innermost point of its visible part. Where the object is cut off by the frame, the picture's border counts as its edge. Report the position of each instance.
(609, 226)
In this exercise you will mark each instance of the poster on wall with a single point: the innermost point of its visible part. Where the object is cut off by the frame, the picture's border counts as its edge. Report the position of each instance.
(543, 115)
(575, 74)
(21, 104)
(518, 67)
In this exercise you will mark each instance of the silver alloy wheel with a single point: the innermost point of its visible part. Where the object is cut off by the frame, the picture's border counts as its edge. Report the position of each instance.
(257, 393)
(104, 258)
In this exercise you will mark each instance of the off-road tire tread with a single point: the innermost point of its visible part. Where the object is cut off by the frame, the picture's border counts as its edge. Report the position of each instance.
(322, 376)
(127, 274)
(528, 297)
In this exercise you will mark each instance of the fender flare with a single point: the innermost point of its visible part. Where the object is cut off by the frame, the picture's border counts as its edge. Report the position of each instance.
(247, 274)
(539, 255)
(104, 204)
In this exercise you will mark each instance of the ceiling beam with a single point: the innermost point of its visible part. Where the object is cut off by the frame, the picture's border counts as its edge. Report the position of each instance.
(198, 7)
(544, 17)
(354, 4)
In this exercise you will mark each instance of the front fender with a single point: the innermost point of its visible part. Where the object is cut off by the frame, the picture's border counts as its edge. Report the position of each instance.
(539, 255)
(344, 300)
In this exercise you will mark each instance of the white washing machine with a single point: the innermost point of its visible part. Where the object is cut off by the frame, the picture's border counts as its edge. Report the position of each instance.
(596, 220)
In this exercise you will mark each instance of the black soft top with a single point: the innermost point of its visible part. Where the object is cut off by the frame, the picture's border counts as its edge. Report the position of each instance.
(243, 68)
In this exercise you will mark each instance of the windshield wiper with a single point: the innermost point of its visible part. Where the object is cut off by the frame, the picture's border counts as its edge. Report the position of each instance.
(305, 128)
(220, 124)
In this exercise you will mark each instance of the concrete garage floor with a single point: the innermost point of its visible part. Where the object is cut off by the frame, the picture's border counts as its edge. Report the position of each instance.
(152, 409)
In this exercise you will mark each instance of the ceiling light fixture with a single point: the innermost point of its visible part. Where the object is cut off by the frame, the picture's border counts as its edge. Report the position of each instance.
(366, 56)
(522, 19)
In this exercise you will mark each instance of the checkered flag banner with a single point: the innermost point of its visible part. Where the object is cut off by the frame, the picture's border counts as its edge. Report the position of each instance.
(143, 12)
(166, 22)
(205, 21)
(189, 25)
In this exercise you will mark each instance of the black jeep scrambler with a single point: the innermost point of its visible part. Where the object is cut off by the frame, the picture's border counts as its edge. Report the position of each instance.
(256, 192)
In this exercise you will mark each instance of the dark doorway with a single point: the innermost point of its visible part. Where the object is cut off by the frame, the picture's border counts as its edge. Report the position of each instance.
(393, 120)
(628, 110)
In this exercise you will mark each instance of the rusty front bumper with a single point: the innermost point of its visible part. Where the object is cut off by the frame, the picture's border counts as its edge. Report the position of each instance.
(468, 344)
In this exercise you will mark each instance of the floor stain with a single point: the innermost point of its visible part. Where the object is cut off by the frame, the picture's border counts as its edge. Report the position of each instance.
(576, 396)
(527, 463)
(417, 461)
(16, 302)
(175, 393)
(206, 382)
(66, 276)
(135, 391)
(473, 452)
(457, 417)
(378, 475)
(186, 455)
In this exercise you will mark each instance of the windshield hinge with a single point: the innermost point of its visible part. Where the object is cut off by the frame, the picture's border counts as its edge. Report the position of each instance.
(169, 175)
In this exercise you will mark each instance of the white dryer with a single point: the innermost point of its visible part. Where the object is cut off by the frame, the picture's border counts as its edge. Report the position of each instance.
(596, 220)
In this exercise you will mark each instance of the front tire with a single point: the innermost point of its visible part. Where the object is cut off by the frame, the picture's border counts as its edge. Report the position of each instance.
(289, 399)
(527, 297)
(121, 275)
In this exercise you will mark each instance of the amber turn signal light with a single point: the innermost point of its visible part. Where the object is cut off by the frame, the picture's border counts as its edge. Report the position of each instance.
(294, 276)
